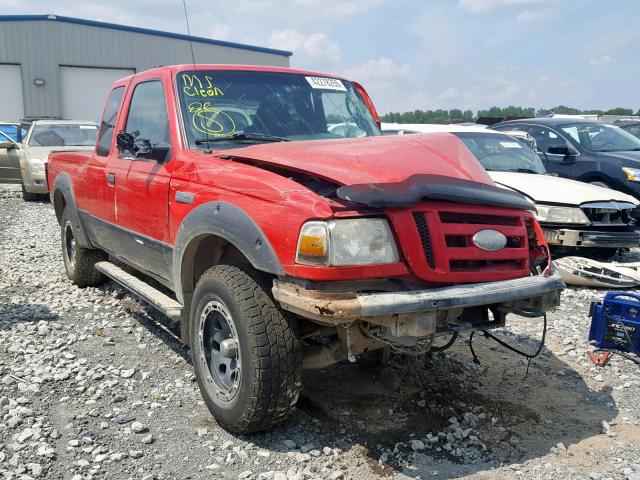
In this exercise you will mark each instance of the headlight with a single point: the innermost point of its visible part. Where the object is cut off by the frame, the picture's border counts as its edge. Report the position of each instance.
(633, 174)
(553, 214)
(36, 166)
(361, 241)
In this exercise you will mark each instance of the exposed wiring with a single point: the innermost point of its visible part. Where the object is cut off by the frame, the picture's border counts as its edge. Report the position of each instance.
(442, 348)
(528, 356)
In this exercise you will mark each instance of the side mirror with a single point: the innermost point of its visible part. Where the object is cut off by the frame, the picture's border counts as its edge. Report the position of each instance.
(142, 148)
(126, 142)
(7, 145)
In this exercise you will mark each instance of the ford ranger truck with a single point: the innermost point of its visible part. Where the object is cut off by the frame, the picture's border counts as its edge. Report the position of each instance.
(262, 208)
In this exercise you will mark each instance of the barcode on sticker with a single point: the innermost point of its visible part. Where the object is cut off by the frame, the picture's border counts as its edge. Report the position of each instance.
(325, 83)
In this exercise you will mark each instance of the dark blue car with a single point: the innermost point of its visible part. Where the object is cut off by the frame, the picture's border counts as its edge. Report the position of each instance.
(585, 150)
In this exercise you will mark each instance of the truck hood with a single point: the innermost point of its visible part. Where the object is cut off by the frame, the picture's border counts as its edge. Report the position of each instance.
(369, 159)
(556, 190)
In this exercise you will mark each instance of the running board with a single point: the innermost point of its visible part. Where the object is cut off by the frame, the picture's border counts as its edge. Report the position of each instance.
(167, 305)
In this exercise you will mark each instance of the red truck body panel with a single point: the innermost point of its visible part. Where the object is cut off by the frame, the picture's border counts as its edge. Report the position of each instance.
(142, 198)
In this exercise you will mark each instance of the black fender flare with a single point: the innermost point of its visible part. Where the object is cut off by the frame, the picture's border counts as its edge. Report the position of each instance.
(64, 185)
(231, 224)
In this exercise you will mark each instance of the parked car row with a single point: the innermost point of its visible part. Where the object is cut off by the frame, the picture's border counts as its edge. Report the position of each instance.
(25, 148)
(573, 214)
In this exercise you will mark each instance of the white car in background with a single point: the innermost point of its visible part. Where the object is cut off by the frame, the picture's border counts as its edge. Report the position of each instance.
(574, 215)
(44, 137)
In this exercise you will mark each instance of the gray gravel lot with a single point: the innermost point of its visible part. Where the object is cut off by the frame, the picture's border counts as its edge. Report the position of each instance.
(94, 384)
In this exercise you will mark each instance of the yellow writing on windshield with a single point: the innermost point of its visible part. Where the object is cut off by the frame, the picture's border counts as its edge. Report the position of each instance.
(210, 120)
(193, 86)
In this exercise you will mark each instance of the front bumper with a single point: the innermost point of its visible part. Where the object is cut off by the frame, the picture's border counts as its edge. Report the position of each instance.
(529, 296)
(591, 239)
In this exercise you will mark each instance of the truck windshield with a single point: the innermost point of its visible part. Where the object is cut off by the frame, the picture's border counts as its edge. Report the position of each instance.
(502, 153)
(63, 135)
(243, 107)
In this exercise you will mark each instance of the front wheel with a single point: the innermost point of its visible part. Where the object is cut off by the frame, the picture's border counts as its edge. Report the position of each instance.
(246, 357)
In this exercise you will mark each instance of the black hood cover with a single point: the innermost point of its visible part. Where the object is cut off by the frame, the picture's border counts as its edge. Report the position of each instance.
(432, 187)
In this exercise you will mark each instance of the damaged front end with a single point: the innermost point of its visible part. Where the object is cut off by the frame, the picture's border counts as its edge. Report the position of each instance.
(458, 282)
(415, 318)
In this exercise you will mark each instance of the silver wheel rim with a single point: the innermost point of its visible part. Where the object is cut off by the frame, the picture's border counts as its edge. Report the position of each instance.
(220, 350)
(69, 244)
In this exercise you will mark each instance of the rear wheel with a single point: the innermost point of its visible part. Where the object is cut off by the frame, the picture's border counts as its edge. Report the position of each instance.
(79, 262)
(246, 357)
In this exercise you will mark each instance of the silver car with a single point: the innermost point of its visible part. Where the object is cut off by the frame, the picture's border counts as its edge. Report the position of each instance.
(26, 162)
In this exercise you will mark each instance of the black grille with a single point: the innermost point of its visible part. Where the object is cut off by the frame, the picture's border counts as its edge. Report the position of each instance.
(425, 238)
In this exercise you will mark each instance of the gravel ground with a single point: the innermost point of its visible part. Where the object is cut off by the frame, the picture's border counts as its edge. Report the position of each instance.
(94, 384)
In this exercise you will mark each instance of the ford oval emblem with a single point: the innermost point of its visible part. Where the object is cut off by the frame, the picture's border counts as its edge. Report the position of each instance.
(489, 240)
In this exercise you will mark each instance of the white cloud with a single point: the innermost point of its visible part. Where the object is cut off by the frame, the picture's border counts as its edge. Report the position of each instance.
(220, 31)
(601, 60)
(532, 16)
(379, 70)
(448, 94)
(338, 8)
(316, 45)
(480, 7)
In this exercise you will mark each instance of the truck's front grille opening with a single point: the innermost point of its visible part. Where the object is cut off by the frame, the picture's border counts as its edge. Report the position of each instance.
(446, 235)
(477, 219)
(463, 241)
(425, 238)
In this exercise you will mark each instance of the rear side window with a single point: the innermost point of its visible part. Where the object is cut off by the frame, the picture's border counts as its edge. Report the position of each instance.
(148, 117)
(108, 121)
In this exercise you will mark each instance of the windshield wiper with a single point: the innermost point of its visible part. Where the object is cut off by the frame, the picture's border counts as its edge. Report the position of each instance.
(523, 170)
(242, 136)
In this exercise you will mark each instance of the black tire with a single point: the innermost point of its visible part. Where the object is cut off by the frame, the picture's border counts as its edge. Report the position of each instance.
(27, 196)
(266, 371)
(79, 262)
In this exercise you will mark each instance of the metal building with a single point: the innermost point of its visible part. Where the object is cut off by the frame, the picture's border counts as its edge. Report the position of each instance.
(61, 66)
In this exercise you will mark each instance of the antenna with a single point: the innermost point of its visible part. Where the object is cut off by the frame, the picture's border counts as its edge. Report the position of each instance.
(186, 17)
(193, 59)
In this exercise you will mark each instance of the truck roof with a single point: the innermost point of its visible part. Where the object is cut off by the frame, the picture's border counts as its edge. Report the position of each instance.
(174, 69)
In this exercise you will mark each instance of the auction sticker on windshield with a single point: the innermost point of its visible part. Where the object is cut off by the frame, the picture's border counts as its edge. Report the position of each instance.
(510, 144)
(325, 83)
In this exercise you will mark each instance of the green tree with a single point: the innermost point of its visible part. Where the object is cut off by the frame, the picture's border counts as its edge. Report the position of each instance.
(619, 111)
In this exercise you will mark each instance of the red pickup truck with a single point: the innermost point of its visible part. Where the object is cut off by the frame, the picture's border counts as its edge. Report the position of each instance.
(262, 208)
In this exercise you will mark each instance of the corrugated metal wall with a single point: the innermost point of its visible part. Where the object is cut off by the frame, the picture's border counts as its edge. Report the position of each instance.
(41, 47)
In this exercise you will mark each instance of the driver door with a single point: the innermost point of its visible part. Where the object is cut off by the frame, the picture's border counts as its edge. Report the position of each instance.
(9, 160)
(141, 181)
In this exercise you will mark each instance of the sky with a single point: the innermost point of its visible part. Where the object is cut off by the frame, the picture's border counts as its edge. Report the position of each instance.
(420, 54)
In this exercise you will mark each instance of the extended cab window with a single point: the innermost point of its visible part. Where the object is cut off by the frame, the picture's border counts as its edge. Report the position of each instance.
(108, 121)
(228, 108)
(148, 122)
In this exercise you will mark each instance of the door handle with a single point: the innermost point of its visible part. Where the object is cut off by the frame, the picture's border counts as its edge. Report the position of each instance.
(111, 178)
